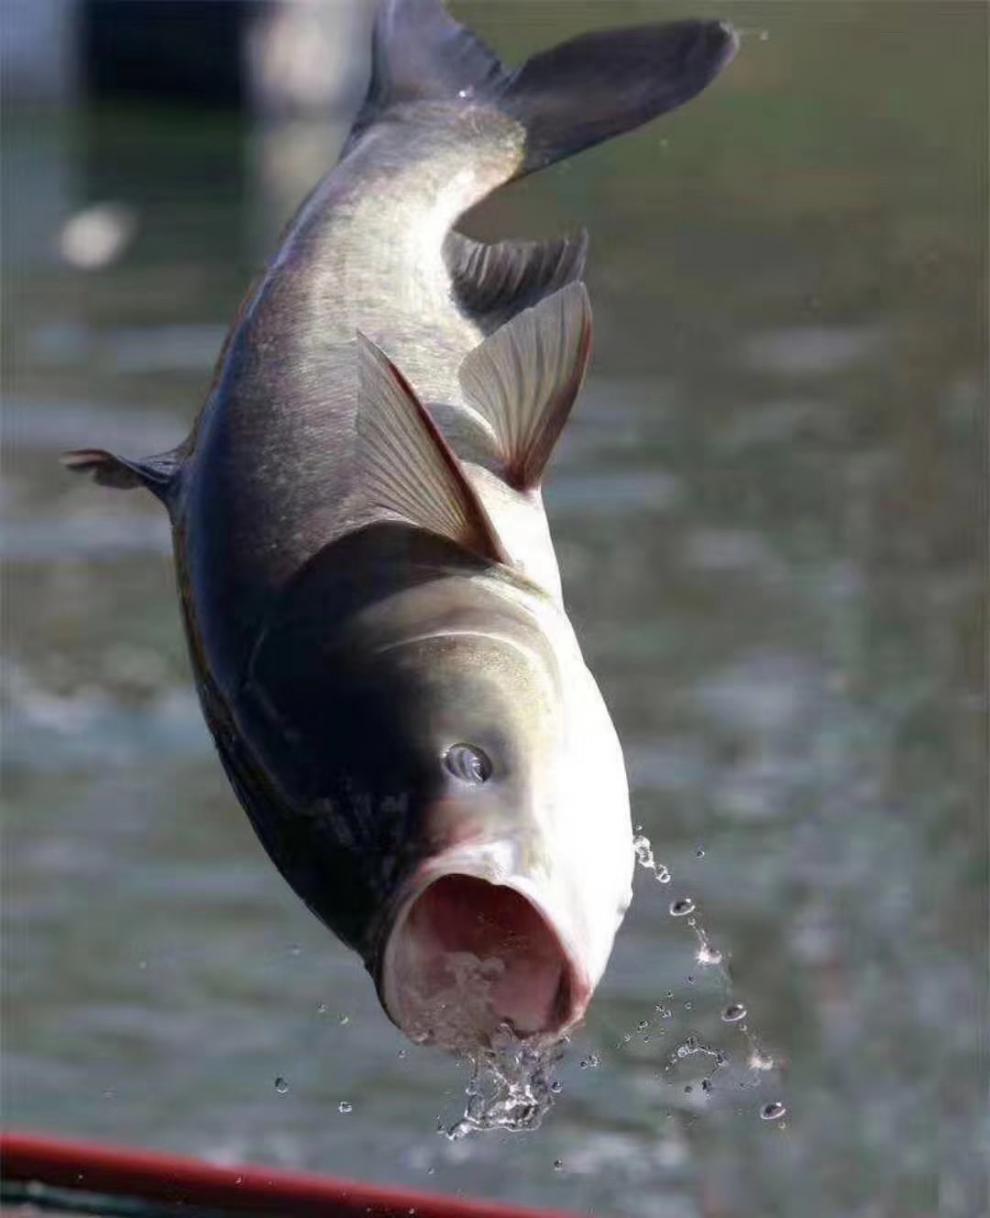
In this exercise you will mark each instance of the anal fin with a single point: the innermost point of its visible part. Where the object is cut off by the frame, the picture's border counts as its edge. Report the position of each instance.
(525, 377)
(493, 282)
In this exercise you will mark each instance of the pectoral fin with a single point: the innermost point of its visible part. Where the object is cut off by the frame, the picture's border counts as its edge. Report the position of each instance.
(157, 474)
(407, 467)
(525, 377)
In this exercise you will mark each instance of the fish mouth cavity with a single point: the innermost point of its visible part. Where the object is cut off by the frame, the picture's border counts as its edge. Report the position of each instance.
(467, 956)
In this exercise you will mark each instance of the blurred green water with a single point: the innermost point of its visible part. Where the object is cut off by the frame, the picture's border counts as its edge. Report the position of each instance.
(770, 515)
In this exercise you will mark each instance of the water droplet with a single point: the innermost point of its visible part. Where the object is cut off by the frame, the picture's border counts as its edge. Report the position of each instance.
(557, 1165)
(321, 1009)
(734, 1012)
(690, 978)
(295, 949)
(687, 1006)
(556, 1086)
(626, 1037)
(773, 1111)
(591, 1062)
(643, 1025)
(281, 1086)
(239, 1180)
(708, 954)
(678, 909)
(644, 851)
(700, 852)
(402, 1054)
(430, 1171)
(345, 1107)
(664, 1012)
(706, 1084)
(688, 1089)
(342, 1019)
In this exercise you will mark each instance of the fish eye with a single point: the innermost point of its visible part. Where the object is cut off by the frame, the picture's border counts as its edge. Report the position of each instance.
(468, 763)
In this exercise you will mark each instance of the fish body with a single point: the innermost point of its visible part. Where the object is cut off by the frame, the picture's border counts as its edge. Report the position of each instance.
(368, 582)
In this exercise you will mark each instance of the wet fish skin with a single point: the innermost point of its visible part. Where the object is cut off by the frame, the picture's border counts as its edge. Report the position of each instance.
(364, 564)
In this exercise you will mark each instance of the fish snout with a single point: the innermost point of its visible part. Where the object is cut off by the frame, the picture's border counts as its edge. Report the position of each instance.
(467, 956)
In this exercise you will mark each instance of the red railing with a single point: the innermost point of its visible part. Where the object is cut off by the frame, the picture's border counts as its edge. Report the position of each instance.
(142, 1175)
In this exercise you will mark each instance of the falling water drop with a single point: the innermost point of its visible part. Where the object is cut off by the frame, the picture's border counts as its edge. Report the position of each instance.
(773, 1111)
(733, 1013)
(645, 858)
(342, 1019)
(345, 1107)
(678, 909)
(558, 1165)
(708, 954)
(321, 1009)
(281, 1086)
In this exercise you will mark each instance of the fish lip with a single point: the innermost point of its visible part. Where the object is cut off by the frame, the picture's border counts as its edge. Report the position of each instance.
(467, 862)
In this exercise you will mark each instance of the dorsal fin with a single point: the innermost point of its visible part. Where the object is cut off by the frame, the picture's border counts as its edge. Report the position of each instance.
(157, 474)
(407, 467)
(494, 282)
(524, 379)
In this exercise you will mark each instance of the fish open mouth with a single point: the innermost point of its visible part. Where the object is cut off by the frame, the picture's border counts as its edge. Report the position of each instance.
(468, 956)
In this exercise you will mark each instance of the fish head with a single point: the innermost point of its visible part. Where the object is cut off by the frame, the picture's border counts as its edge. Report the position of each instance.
(455, 803)
(523, 860)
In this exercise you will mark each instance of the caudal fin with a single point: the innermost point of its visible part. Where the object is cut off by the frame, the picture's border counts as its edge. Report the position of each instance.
(567, 98)
(602, 84)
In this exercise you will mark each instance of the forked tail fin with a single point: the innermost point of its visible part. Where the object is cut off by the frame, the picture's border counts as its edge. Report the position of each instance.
(567, 98)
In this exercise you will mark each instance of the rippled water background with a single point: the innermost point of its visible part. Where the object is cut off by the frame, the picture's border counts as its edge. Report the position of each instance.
(770, 513)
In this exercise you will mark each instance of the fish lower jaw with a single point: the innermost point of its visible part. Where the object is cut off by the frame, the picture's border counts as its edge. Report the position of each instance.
(468, 957)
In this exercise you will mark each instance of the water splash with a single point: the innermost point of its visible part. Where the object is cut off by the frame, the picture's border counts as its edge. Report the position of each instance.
(644, 856)
(511, 1086)
(708, 955)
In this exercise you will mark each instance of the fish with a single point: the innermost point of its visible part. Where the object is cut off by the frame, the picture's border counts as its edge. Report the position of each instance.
(368, 584)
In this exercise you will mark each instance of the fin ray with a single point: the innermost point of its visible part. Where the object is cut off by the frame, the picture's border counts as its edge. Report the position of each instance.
(493, 282)
(525, 377)
(156, 474)
(407, 467)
